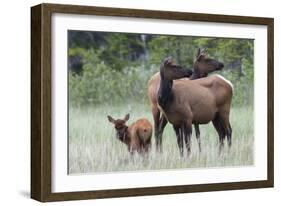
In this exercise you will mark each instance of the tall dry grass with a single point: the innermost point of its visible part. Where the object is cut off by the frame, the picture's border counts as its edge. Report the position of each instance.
(94, 148)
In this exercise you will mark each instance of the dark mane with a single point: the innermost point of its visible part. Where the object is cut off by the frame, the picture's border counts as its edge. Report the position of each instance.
(165, 91)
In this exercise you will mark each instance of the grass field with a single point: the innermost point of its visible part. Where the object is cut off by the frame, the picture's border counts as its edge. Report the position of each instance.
(93, 146)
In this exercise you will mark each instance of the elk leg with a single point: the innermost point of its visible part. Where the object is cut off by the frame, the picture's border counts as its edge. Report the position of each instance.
(156, 118)
(146, 146)
(178, 132)
(162, 124)
(229, 135)
(227, 129)
(220, 130)
(223, 133)
(197, 132)
(224, 118)
(180, 141)
(187, 128)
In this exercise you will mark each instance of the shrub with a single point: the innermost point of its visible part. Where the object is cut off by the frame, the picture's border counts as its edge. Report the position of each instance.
(100, 84)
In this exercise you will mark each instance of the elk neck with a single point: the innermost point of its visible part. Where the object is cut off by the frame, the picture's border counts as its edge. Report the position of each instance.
(196, 75)
(165, 95)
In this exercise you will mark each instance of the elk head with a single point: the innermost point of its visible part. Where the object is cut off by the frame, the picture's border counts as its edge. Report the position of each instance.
(170, 71)
(120, 127)
(203, 64)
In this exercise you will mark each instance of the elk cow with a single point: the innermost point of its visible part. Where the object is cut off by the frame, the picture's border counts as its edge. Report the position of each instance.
(203, 65)
(136, 136)
(185, 102)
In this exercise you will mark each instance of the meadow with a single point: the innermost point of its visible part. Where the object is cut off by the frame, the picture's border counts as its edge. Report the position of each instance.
(108, 75)
(93, 147)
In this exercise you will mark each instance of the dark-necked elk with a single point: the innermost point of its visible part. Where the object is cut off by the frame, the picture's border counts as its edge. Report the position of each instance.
(185, 102)
(136, 136)
(203, 65)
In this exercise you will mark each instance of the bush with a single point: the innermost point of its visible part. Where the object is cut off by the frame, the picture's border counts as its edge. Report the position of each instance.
(100, 84)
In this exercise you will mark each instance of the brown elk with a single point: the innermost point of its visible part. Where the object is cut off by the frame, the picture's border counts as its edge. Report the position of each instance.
(203, 65)
(185, 102)
(136, 136)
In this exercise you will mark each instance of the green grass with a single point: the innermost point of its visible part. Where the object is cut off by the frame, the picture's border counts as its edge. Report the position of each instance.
(93, 146)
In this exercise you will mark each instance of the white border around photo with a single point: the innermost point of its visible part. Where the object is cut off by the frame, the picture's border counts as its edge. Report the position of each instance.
(62, 182)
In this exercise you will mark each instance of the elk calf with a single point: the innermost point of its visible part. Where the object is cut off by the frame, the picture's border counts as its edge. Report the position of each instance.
(136, 136)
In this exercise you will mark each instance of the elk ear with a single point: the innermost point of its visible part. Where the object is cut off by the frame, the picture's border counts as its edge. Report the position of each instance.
(199, 58)
(110, 119)
(168, 61)
(127, 117)
(198, 53)
(202, 54)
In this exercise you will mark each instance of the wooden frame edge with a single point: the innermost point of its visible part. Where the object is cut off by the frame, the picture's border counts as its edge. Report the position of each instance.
(101, 194)
(270, 100)
(36, 139)
(41, 102)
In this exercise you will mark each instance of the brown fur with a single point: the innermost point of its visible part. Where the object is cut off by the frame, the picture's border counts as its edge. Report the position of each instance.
(203, 65)
(205, 97)
(136, 136)
(199, 101)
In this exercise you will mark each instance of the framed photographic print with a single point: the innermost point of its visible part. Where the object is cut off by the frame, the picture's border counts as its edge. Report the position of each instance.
(128, 102)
